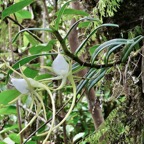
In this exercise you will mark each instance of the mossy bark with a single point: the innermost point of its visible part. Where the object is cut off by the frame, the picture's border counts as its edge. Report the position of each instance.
(126, 125)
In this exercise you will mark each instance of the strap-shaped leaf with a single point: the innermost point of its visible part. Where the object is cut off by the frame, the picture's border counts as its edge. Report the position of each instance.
(31, 29)
(110, 52)
(77, 22)
(76, 67)
(24, 61)
(128, 45)
(106, 44)
(93, 32)
(70, 11)
(126, 55)
(85, 81)
(99, 75)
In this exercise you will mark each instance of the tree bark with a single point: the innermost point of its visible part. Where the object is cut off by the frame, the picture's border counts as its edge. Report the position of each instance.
(93, 102)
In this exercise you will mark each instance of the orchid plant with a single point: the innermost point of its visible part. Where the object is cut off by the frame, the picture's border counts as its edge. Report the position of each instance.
(33, 88)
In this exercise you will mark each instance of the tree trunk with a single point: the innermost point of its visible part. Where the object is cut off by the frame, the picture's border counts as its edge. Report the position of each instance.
(130, 115)
(93, 102)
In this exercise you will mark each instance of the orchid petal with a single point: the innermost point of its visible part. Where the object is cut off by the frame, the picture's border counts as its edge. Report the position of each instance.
(21, 85)
(60, 66)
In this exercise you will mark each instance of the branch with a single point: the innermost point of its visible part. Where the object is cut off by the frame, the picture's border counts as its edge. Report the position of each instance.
(22, 27)
(33, 113)
(75, 58)
(67, 52)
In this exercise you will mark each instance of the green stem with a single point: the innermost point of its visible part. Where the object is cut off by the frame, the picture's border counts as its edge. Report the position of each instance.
(75, 58)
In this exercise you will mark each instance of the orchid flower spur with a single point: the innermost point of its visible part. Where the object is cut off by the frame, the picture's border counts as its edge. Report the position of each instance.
(63, 70)
(29, 86)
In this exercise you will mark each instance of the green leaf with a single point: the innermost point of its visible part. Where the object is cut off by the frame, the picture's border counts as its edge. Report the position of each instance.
(8, 128)
(77, 22)
(106, 44)
(78, 136)
(23, 14)
(83, 24)
(24, 61)
(87, 77)
(42, 47)
(60, 13)
(31, 39)
(99, 76)
(76, 67)
(15, 138)
(2, 143)
(16, 7)
(126, 55)
(75, 12)
(69, 129)
(29, 72)
(31, 142)
(127, 46)
(110, 52)
(42, 76)
(7, 96)
(93, 48)
(93, 32)
(8, 110)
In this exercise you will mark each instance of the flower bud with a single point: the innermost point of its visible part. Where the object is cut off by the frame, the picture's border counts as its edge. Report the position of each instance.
(60, 66)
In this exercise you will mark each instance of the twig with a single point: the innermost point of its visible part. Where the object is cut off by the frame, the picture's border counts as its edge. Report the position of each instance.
(55, 5)
(19, 121)
(46, 11)
(142, 68)
(10, 41)
(25, 28)
(33, 113)
(126, 88)
(51, 118)
(17, 102)
(64, 132)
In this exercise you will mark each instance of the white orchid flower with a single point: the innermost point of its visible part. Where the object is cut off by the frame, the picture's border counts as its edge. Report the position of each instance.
(60, 66)
(64, 72)
(24, 86)
(21, 85)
